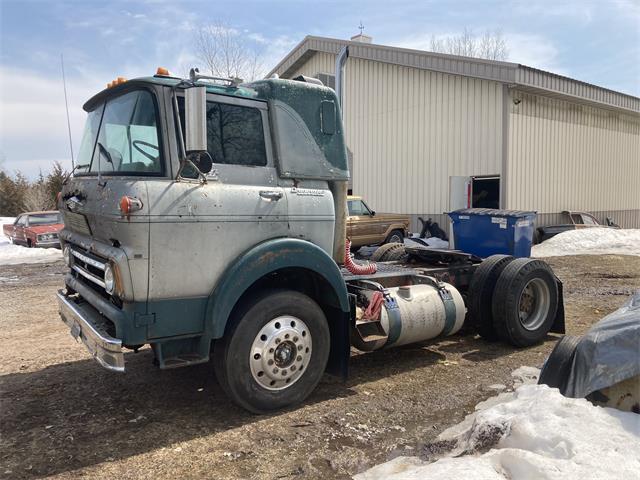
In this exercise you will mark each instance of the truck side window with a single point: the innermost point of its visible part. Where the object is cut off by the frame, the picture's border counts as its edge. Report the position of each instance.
(235, 134)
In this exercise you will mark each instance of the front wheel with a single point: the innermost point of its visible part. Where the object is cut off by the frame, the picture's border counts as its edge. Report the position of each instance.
(275, 351)
(396, 236)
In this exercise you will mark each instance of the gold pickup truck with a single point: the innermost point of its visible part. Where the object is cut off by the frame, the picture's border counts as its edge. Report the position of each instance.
(366, 227)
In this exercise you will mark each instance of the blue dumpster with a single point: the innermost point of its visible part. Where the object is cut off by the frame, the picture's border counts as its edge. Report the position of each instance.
(486, 231)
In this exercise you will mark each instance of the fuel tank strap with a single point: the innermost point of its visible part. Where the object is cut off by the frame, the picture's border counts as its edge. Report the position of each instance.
(449, 311)
(447, 301)
(395, 321)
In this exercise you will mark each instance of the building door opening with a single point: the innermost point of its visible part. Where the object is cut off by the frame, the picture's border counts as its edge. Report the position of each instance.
(485, 192)
(474, 192)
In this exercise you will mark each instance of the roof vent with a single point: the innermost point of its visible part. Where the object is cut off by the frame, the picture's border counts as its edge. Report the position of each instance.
(362, 38)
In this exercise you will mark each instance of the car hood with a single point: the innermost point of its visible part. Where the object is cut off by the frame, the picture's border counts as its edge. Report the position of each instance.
(40, 229)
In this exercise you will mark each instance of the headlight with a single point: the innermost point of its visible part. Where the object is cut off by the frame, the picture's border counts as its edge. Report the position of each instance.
(109, 279)
(66, 255)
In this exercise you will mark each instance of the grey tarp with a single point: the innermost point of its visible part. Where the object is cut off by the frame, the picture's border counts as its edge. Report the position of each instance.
(609, 353)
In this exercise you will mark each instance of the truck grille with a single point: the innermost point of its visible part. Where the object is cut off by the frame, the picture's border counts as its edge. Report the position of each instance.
(88, 267)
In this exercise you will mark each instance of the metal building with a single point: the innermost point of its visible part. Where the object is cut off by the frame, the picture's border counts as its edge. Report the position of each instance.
(430, 133)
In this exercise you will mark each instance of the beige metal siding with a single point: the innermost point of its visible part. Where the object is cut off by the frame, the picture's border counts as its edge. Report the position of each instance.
(565, 156)
(320, 62)
(410, 130)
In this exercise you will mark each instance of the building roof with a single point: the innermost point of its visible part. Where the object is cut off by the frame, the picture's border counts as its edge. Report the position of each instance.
(521, 76)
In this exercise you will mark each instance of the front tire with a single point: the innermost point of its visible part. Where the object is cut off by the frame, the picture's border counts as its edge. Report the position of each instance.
(274, 352)
(396, 236)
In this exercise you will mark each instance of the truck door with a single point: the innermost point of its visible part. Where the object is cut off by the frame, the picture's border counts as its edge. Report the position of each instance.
(241, 205)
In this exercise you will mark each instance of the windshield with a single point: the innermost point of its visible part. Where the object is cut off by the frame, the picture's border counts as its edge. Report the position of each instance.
(44, 219)
(121, 137)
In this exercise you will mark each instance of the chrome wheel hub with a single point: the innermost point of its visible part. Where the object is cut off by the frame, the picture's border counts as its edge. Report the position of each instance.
(280, 352)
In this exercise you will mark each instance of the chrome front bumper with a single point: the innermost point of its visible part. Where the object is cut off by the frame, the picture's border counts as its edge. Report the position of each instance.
(89, 326)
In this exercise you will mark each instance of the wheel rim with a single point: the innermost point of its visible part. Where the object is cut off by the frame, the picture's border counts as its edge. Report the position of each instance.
(395, 239)
(280, 353)
(533, 305)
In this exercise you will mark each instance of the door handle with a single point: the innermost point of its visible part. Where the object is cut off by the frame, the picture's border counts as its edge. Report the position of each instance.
(271, 195)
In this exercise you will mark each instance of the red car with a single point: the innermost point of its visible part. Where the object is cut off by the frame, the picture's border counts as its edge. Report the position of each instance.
(35, 229)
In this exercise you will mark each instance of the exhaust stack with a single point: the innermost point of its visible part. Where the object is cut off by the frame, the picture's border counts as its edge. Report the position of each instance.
(339, 188)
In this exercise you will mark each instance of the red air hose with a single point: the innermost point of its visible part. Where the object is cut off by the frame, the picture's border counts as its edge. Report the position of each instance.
(372, 312)
(355, 268)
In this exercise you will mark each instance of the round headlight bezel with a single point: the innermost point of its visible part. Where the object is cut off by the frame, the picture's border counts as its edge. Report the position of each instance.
(109, 279)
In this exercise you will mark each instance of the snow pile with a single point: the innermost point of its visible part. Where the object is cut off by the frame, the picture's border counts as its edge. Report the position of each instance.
(14, 254)
(532, 433)
(590, 241)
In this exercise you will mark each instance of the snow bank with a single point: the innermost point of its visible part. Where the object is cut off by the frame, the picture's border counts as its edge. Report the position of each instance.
(532, 433)
(590, 241)
(14, 254)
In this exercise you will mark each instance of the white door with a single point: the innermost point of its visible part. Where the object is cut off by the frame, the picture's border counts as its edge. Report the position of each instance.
(459, 197)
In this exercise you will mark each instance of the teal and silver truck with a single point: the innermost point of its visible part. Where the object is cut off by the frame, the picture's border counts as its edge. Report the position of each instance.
(206, 218)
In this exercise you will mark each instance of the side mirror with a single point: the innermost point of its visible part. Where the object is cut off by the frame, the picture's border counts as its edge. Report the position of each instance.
(195, 108)
(198, 161)
(373, 213)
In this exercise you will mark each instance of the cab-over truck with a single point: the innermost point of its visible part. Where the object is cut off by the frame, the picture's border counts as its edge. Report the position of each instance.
(206, 218)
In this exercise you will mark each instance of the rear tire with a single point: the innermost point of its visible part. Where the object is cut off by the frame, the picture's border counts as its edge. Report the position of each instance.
(557, 368)
(525, 301)
(481, 288)
(381, 251)
(396, 236)
(396, 253)
(274, 352)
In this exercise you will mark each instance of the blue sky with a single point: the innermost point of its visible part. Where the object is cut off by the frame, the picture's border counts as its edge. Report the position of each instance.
(593, 41)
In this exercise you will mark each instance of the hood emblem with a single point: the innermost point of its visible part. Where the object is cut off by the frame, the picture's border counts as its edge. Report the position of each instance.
(74, 204)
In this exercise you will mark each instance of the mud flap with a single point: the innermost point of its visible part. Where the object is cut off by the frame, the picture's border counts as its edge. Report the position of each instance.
(340, 329)
(558, 323)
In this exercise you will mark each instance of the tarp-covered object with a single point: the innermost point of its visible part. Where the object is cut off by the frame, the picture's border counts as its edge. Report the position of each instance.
(609, 353)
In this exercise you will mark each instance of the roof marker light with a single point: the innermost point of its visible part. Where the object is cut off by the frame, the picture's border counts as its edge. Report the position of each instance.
(163, 71)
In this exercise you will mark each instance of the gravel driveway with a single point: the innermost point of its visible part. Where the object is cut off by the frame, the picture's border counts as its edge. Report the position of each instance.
(63, 415)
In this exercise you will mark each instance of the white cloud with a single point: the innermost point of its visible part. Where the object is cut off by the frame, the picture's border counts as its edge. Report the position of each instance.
(573, 10)
(534, 51)
(33, 122)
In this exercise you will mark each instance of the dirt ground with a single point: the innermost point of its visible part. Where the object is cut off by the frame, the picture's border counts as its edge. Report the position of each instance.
(62, 415)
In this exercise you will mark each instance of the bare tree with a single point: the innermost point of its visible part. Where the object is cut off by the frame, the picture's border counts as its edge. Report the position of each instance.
(491, 45)
(37, 198)
(227, 53)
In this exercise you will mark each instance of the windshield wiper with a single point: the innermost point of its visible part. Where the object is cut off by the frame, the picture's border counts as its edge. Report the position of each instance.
(107, 155)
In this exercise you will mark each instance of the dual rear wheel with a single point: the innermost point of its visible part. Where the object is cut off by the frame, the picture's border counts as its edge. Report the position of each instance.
(514, 300)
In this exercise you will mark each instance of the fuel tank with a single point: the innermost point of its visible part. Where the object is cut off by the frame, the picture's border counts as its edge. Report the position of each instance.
(410, 314)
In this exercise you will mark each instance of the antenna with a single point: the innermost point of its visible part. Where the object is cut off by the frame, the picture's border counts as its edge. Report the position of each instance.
(66, 104)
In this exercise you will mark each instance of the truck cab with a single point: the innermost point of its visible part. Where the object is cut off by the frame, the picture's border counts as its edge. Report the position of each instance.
(162, 251)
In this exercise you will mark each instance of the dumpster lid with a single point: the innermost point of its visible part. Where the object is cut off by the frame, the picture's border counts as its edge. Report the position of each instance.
(494, 212)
